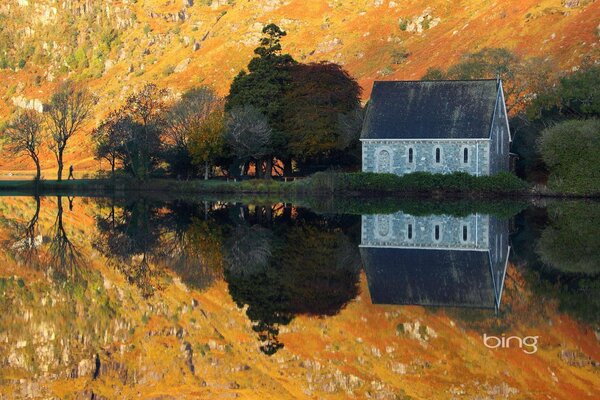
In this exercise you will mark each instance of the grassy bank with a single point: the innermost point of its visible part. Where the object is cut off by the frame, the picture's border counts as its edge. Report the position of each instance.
(364, 184)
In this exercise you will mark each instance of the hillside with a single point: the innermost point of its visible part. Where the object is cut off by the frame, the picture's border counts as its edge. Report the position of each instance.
(117, 46)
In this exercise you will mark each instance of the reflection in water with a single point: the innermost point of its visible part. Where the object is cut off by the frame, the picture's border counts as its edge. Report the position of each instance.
(129, 297)
(557, 247)
(282, 266)
(277, 262)
(26, 241)
(571, 241)
(435, 260)
(143, 238)
(65, 260)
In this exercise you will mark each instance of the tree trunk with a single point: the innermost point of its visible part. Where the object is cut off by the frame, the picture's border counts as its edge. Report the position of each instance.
(59, 159)
(38, 172)
(268, 167)
(287, 167)
(205, 170)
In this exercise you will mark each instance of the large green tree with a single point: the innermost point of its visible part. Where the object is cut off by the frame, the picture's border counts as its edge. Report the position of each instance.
(264, 86)
(575, 96)
(319, 96)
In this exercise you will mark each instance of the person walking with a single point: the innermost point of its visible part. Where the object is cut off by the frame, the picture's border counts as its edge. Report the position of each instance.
(71, 173)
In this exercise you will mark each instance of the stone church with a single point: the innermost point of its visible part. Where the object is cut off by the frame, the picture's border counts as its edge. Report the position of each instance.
(437, 127)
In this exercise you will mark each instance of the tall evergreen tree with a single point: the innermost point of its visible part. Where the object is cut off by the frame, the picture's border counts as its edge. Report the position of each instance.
(264, 85)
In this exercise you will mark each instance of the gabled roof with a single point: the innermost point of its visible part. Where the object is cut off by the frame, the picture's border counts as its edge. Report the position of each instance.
(429, 277)
(430, 109)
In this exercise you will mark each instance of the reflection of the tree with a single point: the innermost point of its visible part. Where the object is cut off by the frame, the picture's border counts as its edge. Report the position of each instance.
(25, 241)
(55, 253)
(558, 246)
(142, 238)
(64, 258)
(571, 240)
(282, 266)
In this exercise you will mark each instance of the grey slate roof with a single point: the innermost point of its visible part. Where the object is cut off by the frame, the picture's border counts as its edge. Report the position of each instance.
(429, 277)
(430, 109)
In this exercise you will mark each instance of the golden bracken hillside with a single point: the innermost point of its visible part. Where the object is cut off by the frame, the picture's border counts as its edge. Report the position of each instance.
(115, 46)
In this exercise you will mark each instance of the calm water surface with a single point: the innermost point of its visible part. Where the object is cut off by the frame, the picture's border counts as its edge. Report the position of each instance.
(142, 298)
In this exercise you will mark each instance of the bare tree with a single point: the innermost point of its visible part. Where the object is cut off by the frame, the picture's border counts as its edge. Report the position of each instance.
(25, 134)
(189, 113)
(187, 116)
(110, 137)
(146, 109)
(248, 133)
(70, 107)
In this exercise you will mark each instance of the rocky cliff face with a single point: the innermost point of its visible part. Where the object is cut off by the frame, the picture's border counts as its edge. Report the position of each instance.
(117, 46)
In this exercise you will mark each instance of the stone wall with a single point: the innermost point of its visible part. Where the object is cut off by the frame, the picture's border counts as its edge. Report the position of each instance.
(392, 231)
(374, 157)
(500, 139)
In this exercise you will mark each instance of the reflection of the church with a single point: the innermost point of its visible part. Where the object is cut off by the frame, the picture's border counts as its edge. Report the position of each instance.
(435, 260)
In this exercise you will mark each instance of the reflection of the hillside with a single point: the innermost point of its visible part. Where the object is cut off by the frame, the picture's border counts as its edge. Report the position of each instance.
(435, 260)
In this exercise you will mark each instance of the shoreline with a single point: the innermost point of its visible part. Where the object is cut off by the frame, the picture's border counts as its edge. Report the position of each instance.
(309, 186)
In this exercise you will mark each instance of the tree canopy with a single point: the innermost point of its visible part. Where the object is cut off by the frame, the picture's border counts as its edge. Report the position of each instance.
(570, 150)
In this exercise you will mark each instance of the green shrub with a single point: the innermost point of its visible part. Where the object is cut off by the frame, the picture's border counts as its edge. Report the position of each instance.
(570, 150)
(417, 182)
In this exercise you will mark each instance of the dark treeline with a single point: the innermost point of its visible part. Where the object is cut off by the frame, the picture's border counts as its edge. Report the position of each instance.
(280, 118)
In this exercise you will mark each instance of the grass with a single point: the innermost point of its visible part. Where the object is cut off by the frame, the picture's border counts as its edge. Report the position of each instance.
(457, 184)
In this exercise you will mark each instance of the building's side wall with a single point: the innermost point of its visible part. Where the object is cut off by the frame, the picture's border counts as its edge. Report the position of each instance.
(500, 139)
(392, 230)
(375, 159)
(499, 250)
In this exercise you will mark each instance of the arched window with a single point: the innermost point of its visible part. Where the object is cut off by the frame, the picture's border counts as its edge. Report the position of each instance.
(438, 155)
(411, 155)
(409, 231)
(384, 161)
(465, 233)
(465, 155)
(436, 232)
(384, 226)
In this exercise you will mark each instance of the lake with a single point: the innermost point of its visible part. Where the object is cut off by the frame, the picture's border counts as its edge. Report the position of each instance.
(162, 298)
